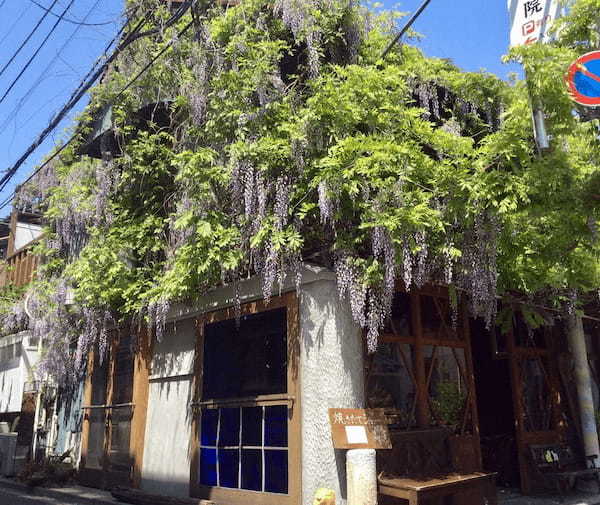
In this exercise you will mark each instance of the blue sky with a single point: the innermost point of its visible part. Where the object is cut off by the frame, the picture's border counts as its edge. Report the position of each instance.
(474, 34)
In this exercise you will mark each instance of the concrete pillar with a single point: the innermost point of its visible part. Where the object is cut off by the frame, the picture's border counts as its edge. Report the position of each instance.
(331, 377)
(583, 381)
(361, 472)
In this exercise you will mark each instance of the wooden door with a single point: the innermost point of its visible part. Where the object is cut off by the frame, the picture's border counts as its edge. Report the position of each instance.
(534, 379)
(114, 416)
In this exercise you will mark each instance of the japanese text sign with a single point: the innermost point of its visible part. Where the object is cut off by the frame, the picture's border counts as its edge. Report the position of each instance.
(530, 20)
(359, 429)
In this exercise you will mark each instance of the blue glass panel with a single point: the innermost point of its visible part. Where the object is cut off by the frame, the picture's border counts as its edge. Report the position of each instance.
(252, 426)
(252, 469)
(276, 426)
(229, 467)
(208, 429)
(229, 434)
(208, 467)
(276, 471)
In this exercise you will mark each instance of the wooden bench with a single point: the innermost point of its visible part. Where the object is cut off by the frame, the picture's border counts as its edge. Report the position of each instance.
(425, 464)
(415, 491)
(558, 466)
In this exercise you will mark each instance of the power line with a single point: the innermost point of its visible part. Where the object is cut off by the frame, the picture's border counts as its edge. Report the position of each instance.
(43, 74)
(72, 21)
(16, 53)
(134, 35)
(12, 85)
(3, 182)
(15, 23)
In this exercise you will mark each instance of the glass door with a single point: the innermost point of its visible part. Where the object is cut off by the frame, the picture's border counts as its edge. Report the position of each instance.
(535, 393)
(106, 458)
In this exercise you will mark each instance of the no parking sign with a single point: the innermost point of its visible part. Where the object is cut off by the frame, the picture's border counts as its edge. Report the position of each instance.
(583, 79)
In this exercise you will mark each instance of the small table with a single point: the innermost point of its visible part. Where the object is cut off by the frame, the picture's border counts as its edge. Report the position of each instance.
(416, 490)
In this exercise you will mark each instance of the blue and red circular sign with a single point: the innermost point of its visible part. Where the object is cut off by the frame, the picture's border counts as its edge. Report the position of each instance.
(583, 79)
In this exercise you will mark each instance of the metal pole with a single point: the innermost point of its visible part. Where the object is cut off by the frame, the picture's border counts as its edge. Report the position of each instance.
(539, 124)
(540, 133)
(583, 381)
(406, 27)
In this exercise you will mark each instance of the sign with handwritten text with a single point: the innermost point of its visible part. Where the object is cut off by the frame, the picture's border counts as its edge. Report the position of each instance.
(359, 429)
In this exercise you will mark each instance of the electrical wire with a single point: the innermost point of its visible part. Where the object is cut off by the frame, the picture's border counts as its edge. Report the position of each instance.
(15, 112)
(67, 20)
(15, 23)
(3, 183)
(134, 35)
(31, 33)
(12, 85)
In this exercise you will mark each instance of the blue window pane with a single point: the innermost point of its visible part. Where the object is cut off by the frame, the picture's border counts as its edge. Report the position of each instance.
(252, 470)
(229, 433)
(276, 426)
(276, 471)
(229, 467)
(208, 467)
(208, 428)
(252, 426)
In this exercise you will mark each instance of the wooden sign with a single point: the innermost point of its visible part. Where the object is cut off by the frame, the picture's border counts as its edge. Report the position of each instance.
(359, 429)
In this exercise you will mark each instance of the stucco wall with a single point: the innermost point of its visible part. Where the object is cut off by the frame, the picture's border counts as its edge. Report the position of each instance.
(17, 360)
(331, 376)
(11, 385)
(166, 465)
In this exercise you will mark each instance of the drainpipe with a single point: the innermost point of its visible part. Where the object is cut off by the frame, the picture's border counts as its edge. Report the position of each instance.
(583, 381)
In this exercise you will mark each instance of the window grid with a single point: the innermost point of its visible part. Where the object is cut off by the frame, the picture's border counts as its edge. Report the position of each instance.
(240, 447)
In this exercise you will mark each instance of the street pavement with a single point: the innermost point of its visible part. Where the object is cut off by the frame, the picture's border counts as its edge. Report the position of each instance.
(17, 497)
(15, 493)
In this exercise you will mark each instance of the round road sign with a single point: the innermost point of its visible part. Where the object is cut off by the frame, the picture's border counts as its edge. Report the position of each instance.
(583, 79)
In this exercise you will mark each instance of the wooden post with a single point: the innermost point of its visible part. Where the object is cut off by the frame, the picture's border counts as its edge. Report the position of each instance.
(419, 364)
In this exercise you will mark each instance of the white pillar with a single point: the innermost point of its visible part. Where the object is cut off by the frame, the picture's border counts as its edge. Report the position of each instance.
(583, 381)
(361, 472)
(331, 377)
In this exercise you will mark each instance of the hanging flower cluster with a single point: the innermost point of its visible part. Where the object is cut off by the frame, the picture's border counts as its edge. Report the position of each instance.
(272, 134)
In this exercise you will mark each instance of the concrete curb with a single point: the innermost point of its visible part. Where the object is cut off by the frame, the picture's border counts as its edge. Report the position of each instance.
(71, 494)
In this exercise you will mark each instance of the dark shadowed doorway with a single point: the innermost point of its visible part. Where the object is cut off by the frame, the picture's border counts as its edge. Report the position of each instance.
(495, 406)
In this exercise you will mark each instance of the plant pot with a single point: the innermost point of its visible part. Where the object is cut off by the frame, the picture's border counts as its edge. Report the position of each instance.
(464, 453)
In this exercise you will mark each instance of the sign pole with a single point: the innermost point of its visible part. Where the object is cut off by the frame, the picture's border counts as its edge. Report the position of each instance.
(530, 24)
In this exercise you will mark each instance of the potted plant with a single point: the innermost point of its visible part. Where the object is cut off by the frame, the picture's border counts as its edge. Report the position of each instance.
(448, 408)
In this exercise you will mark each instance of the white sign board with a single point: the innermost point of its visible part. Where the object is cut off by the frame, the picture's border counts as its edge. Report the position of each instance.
(356, 435)
(530, 20)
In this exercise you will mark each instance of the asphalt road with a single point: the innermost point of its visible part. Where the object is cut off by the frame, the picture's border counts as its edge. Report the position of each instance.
(15, 497)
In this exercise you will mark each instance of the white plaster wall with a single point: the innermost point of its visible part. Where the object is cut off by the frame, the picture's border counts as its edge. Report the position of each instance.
(25, 233)
(331, 376)
(16, 368)
(166, 465)
(11, 385)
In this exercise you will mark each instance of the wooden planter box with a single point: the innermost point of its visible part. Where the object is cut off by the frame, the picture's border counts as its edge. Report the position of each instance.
(464, 453)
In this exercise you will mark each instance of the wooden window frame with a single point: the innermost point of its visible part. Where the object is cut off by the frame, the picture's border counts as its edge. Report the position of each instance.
(289, 301)
(420, 341)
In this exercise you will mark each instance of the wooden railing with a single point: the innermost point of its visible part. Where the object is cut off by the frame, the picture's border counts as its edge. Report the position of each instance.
(19, 268)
